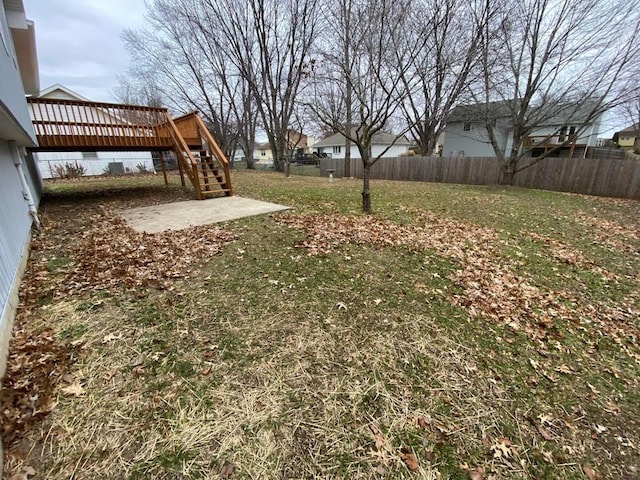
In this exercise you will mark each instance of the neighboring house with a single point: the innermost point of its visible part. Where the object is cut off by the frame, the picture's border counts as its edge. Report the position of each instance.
(628, 138)
(52, 164)
(298, 144)
(20, 185)
(466, 134)
(385, 144)
(263, 155)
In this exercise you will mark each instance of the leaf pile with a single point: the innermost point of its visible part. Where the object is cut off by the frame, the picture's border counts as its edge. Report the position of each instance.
(612, 234)
(488, 285)
(35, 366)
(111, 254)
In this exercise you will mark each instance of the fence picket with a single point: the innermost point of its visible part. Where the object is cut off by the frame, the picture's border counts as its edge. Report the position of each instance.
(615, 177)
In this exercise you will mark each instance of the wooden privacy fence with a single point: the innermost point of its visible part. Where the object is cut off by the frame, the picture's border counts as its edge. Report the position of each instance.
(610, 177)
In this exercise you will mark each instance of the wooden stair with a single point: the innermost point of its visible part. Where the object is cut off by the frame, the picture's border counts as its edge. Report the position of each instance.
(200, 157)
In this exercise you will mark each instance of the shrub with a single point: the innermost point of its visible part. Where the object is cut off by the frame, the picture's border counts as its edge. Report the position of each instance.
(142, 168)
(68, 170)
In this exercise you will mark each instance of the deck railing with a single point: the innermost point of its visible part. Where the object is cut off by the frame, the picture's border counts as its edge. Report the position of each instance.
(551, 141)
(73, 125)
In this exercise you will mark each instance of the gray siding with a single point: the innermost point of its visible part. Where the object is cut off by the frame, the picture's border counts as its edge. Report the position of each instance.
(15, 223)
(474, 143)
(12, 98)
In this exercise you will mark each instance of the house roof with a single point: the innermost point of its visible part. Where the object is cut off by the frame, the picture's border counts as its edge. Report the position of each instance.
(479, 111)
(378, 139)
(58, 91)
(561, 114)
(631, 129)
(24, 43)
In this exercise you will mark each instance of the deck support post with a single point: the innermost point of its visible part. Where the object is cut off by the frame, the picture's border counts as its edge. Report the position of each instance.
(181, 174)
(164, 169)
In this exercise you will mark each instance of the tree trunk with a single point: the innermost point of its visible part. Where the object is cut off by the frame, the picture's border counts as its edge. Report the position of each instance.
(366, 193)
(287, 168)
(508, 172)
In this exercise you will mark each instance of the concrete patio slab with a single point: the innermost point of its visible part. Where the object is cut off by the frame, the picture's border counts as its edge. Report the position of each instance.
(181, 215)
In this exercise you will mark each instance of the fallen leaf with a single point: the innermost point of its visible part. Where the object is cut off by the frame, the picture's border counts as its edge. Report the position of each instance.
(74, 389)
(476, 474)
(564, 369)
(599, 428)
(136, 362)
(379, 441)
(589, 472)
(24, 473)
(110, 338)
(227, 470)
(544, 433)
(409, 459)
(422, 423)
(341, 306)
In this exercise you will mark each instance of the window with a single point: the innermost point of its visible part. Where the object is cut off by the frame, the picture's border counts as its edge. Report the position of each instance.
(89, 155)
(263, 153)
(466, 127)
(563, 133)
(337, 149)
(572, 130)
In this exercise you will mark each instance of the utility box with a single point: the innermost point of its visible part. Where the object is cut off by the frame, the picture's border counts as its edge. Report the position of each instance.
(116, 168)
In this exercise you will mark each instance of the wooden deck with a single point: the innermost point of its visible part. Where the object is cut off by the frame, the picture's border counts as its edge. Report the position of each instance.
(70, 125)
(67, 125)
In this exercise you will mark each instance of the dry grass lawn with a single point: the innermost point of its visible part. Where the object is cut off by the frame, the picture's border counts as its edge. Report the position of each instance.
(460, 332)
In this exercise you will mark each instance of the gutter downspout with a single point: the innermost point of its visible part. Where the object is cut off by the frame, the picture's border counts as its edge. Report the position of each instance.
(26, 191)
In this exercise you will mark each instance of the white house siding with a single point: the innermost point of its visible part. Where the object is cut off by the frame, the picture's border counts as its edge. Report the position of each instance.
(47, 161)
(376, 150)
(471, 143)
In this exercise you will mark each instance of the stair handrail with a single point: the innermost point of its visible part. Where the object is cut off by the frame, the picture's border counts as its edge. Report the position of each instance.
(179, 140)
(220, 156)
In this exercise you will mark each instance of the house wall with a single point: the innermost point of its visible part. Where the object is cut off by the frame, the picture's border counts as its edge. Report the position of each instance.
(47, 161)
(376, 150)
(15, 122)
(472, 143)
(14, 239)
(588, 136)
(16, 184)
(264, 155)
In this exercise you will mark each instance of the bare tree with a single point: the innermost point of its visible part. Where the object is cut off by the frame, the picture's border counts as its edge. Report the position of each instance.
(552, 62)
(138, 91)
(359, 72)
(191, 72)
(439, 74)
(268, 42)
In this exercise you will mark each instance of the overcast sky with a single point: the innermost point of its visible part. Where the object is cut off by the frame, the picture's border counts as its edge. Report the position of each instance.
(79, 43)
(79, 46)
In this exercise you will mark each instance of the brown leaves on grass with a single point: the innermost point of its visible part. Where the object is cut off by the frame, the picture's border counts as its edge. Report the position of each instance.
(488, 285)
(589, 472)
(409, 458)
(111, 254)
(35, 366)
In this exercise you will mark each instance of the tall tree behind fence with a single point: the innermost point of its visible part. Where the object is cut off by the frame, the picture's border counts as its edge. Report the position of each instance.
(610, 177)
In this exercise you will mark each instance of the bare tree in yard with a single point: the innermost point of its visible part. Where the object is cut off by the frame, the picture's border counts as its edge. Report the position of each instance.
(268, 41)
(138, 91)
(190, 72)
(631, 112)
(371, 73)
(553, 62)
(439, 74)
